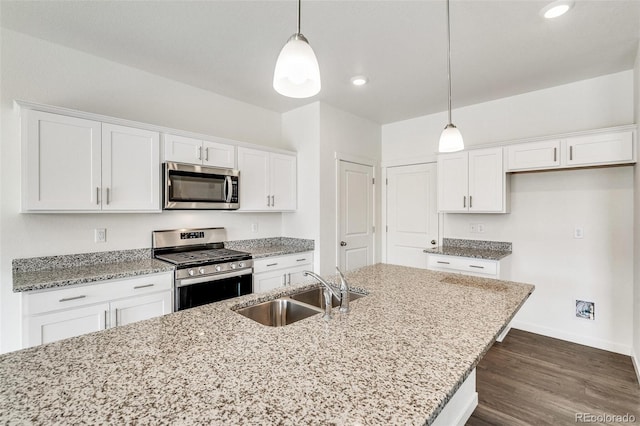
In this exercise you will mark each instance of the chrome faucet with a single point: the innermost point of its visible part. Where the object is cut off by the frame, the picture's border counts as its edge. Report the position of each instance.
(342, 293)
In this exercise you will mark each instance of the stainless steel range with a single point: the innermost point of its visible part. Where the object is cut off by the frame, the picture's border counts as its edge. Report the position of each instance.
(206, 272)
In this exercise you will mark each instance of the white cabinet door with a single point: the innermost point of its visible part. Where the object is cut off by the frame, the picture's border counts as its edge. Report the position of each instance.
(182, 149)
(486, 180)
(283, 181)
(218, 155)
(254, 179)
(533, 156)
(296, 276)
(453, 181)
(266, 281)
(130, 169)
(61, 162)
(47, 328)
(605, 148)
(140, 308)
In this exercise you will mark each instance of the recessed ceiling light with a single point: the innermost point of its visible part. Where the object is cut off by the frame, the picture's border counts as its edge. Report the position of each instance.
(557, 8)
(359, 80)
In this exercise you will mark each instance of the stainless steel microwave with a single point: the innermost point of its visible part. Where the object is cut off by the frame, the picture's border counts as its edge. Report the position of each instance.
(194, 187)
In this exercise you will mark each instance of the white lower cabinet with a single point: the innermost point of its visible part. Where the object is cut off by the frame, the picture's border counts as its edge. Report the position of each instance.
(279, 271)
(51, 315)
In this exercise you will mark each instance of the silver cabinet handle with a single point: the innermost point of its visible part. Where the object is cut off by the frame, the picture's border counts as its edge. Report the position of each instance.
(443, 262)
(464, 201)
(470, 201)
(206, 154)
(67, 299)
(288, 279)
(199, 153)
(106, 319)
(273, 201)
(107, 196)
(116, 324)
(284, 280)
(475, 266)
(301, 260)
(272, 264)
(97, 195)
(555, 154)
(268, 201)
(570, 152)
(143, 286)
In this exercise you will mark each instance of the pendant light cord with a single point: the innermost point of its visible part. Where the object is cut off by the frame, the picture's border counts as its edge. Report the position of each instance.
(298, 32)
(448, 57)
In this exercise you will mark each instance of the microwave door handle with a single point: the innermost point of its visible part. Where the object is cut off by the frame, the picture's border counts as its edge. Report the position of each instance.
(227, 189)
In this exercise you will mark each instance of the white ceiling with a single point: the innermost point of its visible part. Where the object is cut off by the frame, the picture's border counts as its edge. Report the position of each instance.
(499, 48)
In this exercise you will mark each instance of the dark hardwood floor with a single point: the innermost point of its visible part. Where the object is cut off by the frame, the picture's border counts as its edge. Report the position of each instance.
(530, 379)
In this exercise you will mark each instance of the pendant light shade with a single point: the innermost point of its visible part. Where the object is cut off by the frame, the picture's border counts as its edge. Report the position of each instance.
(297, 74)
(451, 138)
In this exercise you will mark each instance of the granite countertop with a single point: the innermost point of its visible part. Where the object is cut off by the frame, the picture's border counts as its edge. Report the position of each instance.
(397, 358)
(268, 247)
(39, 273)
(478, 249)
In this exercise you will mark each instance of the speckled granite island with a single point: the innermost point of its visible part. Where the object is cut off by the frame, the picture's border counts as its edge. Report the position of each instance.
(397, 358)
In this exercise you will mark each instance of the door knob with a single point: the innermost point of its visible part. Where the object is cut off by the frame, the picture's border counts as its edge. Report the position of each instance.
(433, 242)
(342, 243)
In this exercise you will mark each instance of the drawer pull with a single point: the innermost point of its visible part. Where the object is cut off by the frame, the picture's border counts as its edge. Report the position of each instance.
(67, 299)
(143, 286)
(475, 266)
(301, 260)
(443, 262)
(272, 264)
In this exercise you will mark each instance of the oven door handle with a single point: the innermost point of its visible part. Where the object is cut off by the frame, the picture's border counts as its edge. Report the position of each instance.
(228, 192)
(210, 278)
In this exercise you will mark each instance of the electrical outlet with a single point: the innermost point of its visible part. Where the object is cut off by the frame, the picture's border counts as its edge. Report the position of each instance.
(473, 228)
(480, 228)
(100, 235)
(578, 232)
(254, 227)
(586, 310)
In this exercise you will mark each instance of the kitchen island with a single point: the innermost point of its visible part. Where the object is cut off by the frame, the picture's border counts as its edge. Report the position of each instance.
(397, 358)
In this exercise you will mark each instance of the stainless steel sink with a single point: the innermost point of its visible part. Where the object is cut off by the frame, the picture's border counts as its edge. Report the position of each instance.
(278, 312)
(314, 297)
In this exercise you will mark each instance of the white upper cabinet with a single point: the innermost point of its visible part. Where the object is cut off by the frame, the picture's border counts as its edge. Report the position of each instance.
(472, 182)
(130, 169)
(533, 156)
(606, 148)
(602, 148)
(61, 162)
(78, 165)
(196, 151)
(267, 180)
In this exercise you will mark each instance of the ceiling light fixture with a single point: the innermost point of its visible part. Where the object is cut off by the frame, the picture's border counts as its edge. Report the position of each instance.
(359, 80)
(450, 139)
(557, 8)
(297, 74)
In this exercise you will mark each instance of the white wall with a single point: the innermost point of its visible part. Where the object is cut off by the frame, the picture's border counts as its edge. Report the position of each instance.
(301, 132)
(319, 131)
(545, 207)
(39, 71)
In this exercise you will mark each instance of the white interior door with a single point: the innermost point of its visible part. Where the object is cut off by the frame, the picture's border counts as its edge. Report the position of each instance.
(355, 244)
(412, 215)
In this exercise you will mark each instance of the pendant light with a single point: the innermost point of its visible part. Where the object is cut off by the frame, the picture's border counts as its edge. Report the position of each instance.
(450, 139)
(297, 74)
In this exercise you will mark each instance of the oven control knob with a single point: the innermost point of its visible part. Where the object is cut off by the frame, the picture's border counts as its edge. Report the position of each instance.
(191, 272)
(201, 271)
(241, 265)
(218, 268)
(233, 266)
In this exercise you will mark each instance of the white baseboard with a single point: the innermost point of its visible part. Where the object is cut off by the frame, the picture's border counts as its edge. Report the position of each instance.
(575, 338)
(636, 364)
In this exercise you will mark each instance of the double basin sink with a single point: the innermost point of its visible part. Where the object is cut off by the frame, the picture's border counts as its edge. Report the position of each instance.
(295, 307)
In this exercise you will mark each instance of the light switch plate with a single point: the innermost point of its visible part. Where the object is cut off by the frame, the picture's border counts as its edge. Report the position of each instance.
(100, 235)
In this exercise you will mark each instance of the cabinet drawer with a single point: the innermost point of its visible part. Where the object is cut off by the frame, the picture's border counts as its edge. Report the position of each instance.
(282, 262)
(607, 148)
(81, 295)
(533, 156)
(463, 265)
